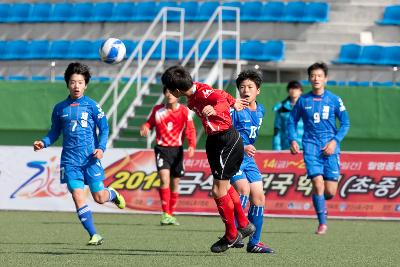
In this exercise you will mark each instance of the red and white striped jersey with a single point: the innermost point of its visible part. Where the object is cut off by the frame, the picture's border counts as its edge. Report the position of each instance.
(172, 125)
(221, 101)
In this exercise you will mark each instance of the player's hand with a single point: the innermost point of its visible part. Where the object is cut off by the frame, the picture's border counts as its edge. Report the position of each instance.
(208, 111)
(294, 148)
(250, 150)
(98, 153)
(38, 145)
(240, 104)
(144, 131)
(190, 151)
(329, 148)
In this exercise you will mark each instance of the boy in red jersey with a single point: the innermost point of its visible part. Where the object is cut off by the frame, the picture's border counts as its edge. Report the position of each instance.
(171, 120)
(224, 148)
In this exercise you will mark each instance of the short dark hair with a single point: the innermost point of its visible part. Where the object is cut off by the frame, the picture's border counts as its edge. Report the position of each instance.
(177, 77)
(317, 66)
(251, 75)
(77, 68)
(294, 84)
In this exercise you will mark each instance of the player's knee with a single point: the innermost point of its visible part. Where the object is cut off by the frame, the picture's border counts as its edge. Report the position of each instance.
(99, 198)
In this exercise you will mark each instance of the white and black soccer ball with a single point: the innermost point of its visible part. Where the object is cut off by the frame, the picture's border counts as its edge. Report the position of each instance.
(112, 51)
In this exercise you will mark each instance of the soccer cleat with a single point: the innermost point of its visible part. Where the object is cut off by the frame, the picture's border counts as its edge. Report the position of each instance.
(223, 244)
(259, 248)
(239, 244)
(174, 221)
(322, 229)
(249, 230)
(119, 200)
(95, 240)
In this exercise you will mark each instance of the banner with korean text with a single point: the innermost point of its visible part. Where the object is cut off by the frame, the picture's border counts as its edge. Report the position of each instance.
(369, 185)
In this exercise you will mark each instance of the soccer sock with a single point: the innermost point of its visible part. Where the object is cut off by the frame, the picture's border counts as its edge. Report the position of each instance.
(165, 195)
(86, 218)
(244, 199)
(319, 206)
(172, 202)
(226, 210)
(256, 216)
(111, 195)
(239, 213)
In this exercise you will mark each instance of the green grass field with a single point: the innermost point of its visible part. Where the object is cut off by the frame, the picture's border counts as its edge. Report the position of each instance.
(57, 239)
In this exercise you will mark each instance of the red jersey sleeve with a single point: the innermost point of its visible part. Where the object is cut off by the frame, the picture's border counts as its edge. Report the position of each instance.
(151, 121)
(190, 131)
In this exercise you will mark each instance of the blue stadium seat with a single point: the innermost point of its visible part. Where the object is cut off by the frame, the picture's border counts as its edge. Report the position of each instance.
(59, 49)
(39, 78)
(17, 78)
(172, 15)
(371, 55)
(146, 11)
(4, 9)
(94, 53)
(191, 8)
(391, 16)
(316, 12)
(40, 12)
(229, 49)
(274, 51)
(39, 49)
(19, 12)
(187, 45)
(391, 56)
(356, 83)
(2, 78)
(349, 54)
(273, 11)
(172, 50)
(61, 12)
(124, 12)
(146, 48)
(387, 83)
(251, 50)
(130, 46)
(331, 83)
(294, 12)
(82, 12)
(100, 79)
(205, 11)
(251, 11)
(17, 50)
(212, 54)
(228, 15)
(81, 49)
(102, 11)
(3, 49)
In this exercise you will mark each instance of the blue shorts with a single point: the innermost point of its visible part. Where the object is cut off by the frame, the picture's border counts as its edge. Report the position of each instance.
(76, 177)
(248, 170)
(327, 166)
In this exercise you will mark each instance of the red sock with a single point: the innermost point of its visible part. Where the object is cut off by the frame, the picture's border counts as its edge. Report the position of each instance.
(225, 209)
(239, 213)
(165, 195)
(172, 202)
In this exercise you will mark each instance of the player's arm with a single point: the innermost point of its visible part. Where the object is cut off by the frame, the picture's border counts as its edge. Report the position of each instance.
(294, 117)
(190, 133)
(53, 133)
(276, 139)
(101, 122)
(149, 124)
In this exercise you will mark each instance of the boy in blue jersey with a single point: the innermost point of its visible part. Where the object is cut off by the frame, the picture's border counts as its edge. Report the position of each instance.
(321, 140)
(248, 180)
(77, 118)
(282, 112)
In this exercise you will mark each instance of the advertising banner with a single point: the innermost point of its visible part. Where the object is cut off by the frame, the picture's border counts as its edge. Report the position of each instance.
(369, 185)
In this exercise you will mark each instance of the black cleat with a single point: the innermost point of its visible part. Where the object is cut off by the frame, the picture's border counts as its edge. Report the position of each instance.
(239, 244)
(224, 244)
(249, 230)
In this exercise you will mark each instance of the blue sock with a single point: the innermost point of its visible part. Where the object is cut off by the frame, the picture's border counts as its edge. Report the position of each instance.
(111, 195)
(256, 216)
(319, 206)
(85, 216)
(244, 199)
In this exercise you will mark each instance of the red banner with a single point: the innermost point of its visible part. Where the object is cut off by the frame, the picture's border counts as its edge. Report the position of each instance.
(369, 185)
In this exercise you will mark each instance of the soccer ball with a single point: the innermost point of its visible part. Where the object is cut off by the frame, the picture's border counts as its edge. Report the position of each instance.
(112, 51)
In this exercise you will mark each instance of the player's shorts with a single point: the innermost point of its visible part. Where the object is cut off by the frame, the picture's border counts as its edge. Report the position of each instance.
(76, 177)
(327, 166)
(248, 170)
(224, 153)
(171, 158)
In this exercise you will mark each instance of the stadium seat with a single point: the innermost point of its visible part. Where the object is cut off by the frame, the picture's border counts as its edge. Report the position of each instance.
(146, 48)
(212, 54)
(387, 83)
(3, 49)
(191, 8)
(40, 12)
(205, 11)
(102, 11)
(39, 78)
(273, 51)
(61, 12)
(294, 12)
(81, 49)
(17, 50)
(17, 78)
(172, 50)
(316, 12)
(273, 11)
(391, 56)
(94, 53)
(146, 11)
(187, 45)
(39, 49)
(251, 11)
(59, 49)
(331, 83)
(19, 12)
(82, 12)
(4, 9)
(349, 54)
(251, 50)
(391, 16)
(124, 12)
(228, 15)
(229, 49)
(371, 55)
(130, 46)
(172, 15)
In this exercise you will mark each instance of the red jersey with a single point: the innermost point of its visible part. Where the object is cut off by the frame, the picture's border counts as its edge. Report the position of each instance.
(171, 124)
(221, 101)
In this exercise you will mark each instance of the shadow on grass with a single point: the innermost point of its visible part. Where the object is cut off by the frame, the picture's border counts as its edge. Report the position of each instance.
(96, 223)
(33, 243)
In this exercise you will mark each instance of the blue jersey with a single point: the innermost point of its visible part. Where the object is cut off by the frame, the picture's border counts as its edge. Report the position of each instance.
(247, 122)
(282, 112)
(319, 113)
(77, 120)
